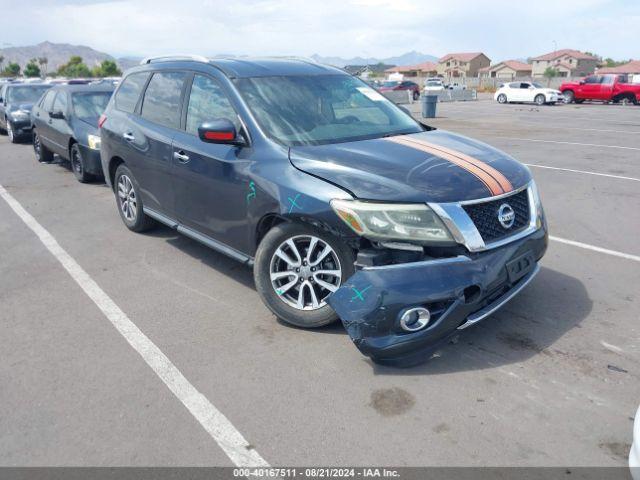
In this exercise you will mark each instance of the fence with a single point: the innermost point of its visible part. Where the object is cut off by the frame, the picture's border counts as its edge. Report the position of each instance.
(403, 97)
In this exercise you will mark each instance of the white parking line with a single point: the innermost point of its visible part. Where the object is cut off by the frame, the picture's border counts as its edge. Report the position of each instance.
(586, 246)
(212, 420)
(571, 143)
(583, 171)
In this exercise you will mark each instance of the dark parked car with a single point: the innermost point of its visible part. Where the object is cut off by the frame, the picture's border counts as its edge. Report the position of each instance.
(343, 204)
(404, 85)
(16, 100)
(65, 121)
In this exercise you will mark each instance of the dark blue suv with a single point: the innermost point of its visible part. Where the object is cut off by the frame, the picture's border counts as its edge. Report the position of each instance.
(343, 204)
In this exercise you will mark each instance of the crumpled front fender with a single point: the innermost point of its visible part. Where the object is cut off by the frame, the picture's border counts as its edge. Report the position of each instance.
(372, 300)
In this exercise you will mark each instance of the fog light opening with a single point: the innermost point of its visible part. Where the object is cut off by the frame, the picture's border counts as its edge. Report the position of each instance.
(472, 293)
(414, 319)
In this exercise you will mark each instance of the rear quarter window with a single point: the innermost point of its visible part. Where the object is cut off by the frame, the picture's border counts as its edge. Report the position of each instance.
(128, 94)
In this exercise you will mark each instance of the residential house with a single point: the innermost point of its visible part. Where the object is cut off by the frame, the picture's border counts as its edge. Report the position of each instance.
(461, 65)
(568, 63)
(507, 70)
(633, 67)
(425, 69)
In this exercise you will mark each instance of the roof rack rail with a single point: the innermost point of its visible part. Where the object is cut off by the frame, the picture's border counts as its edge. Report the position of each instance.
(173, 58)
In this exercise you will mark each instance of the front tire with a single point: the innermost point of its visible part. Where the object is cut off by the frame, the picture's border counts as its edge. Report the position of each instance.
(502, 98)
(540, 99)
(569, 96)
(129, 202)
(296, 268)
(43, 154)
(13, 137)
(78, 165)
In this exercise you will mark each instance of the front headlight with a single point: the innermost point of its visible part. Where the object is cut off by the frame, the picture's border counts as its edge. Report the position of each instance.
(94, 142)
(387, 221)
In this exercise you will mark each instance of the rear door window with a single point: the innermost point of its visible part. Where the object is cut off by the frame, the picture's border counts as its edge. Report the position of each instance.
(127, 97)
(208, 102)
(162, 99)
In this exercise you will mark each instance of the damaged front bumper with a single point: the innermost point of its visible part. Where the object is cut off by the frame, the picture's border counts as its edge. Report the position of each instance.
(458, 292)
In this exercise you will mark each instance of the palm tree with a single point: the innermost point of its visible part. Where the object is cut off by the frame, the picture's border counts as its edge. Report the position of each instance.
(43, 61)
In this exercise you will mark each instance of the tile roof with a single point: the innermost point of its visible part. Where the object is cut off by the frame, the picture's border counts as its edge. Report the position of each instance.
(632, 67)
(565, 51)
(463, 57)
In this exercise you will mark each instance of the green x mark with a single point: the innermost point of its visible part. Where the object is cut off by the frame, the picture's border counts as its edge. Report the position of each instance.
(359, 293)
(294, 203)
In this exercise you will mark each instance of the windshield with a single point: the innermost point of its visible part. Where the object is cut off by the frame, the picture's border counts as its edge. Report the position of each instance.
(315, 110)
(390, 84)
(434, 83)
(26, 94)
(87, 106)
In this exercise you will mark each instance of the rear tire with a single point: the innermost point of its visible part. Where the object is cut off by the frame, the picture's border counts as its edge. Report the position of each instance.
(502, 98)
(129, 203)
(78, 165)
(540, 99)
(279, 282)
(43, 154)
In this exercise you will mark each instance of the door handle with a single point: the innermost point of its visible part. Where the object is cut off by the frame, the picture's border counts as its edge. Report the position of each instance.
(128, 137)
(181, 156)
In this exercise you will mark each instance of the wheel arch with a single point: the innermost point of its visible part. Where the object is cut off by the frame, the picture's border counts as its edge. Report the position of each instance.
(72, 141)
(114, 163)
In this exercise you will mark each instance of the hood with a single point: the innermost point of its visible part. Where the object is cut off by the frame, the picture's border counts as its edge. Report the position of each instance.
(433, 166)
(22, 106)
(90, 121)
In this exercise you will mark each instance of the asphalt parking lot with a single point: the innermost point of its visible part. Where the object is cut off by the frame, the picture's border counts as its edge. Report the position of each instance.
(552, 379)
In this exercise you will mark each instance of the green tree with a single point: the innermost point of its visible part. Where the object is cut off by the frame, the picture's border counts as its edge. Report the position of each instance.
(74, 68)
(32, 69)
(12, 70)
(550, 73)
(107, 68)
(43, 61)
(1, 62)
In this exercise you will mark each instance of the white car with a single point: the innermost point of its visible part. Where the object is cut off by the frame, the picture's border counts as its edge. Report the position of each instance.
(634, 454)
(527, 92)
(433, 86)
(456, 86)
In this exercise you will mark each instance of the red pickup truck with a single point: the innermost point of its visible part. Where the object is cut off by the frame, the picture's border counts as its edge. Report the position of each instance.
(607, 88)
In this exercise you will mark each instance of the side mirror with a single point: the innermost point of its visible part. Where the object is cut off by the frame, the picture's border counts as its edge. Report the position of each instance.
(581, 82)
(221, 130)
(58, 115)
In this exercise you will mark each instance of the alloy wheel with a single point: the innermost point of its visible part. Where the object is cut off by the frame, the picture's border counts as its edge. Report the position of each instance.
(127, 198)
(304, 271)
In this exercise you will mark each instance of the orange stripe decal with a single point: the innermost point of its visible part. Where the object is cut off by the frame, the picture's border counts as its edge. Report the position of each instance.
(505, 184)
(489, 181)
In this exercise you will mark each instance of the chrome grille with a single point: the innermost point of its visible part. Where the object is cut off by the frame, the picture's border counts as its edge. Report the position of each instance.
(485, 216)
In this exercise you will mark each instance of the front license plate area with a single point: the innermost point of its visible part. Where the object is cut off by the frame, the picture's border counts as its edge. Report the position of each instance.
(519, 267)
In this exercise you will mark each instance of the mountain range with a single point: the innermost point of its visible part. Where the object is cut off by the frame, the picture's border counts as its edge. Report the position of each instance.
(59, 53)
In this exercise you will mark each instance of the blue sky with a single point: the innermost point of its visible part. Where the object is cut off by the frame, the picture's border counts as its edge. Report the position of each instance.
(346, 28)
